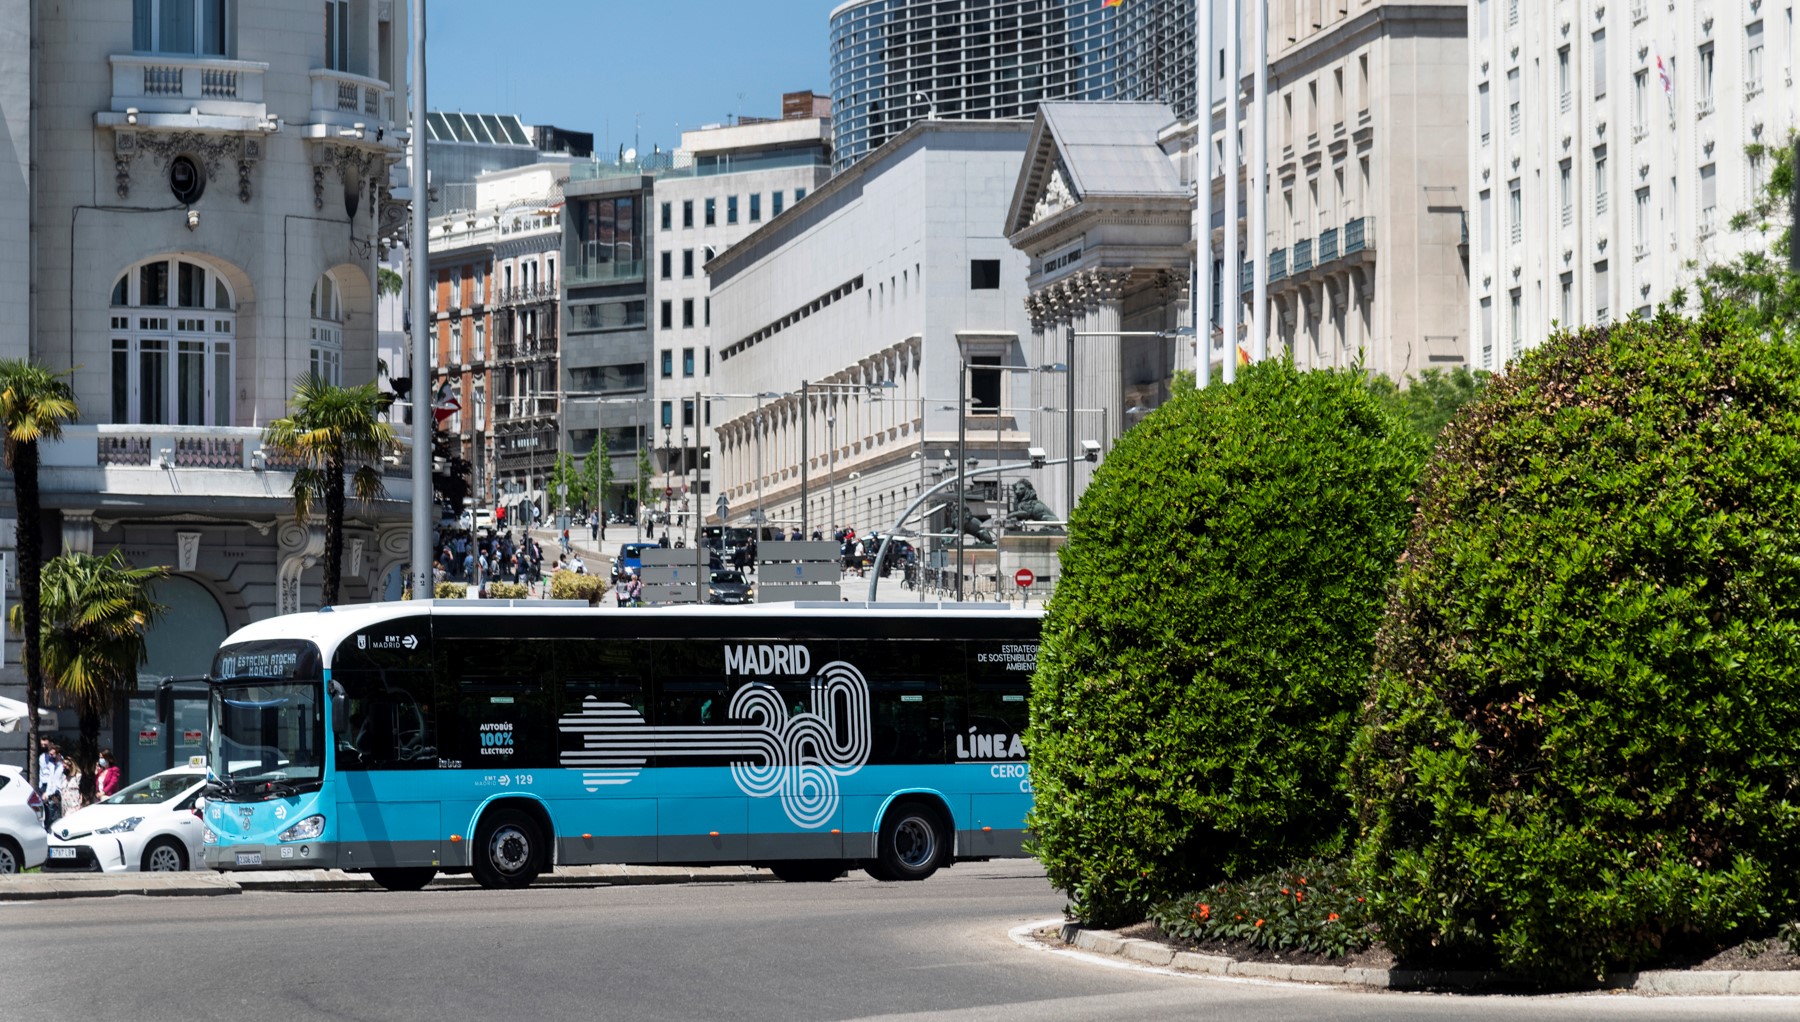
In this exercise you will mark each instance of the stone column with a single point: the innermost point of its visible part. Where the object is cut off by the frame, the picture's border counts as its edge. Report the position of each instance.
(1099, 365)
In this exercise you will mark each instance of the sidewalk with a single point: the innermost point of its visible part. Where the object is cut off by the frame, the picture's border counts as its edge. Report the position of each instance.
(206, 883)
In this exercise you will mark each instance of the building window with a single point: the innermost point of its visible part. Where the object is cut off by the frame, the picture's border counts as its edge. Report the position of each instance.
(1484, 114)
(984, 274)
(1600, 187)
(1515, 201)
(337, 34)
(1486, 223)
(668, 215)
(1640, 102)
(1705, 85)
(1513, 98)
(1709, 197)
(1566, 283)
(712, 212)
(799, 193)
(607, 242)
(775, 202)
(687, 361)
(687, 313)
(1640, 221)
(667, 315)
(687, 413)
(706, 305)
(687, 262)
(1565, 191)
(1515, 321)
(668, 263)
(457, 354)
(668, 363)
(1487, 330)
(1602, 293)
(1599, 63)
(755, 207)
(174, 328)
(197, 27)
(668, 415)
(1482, 17)
(731, 209)
(708, 353)
(1564, 80)
(687, 212)
(1753, 57)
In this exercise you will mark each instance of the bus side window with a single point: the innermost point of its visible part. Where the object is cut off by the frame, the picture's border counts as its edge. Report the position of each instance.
(505, 698)
(390, 725)
(908, 721)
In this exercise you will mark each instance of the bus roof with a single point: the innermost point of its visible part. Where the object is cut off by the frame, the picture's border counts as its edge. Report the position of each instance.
(328, 626)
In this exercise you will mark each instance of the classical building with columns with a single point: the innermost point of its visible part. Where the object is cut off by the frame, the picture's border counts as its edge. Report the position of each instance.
(854, 314)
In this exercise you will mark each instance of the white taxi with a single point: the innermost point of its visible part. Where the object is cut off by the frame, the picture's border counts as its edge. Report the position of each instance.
(152, 826)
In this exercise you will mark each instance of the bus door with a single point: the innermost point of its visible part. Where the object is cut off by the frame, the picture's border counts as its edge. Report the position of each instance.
(989, 735)
(386, 759)
(605, 800)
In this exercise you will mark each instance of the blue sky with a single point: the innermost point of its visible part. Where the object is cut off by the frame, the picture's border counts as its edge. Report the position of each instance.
(605, 65)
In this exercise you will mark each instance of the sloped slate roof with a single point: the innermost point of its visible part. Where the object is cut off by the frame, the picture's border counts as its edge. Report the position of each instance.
(1110, 148)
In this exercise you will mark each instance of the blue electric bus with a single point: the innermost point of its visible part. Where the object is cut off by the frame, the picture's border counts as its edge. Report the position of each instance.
(408, 739)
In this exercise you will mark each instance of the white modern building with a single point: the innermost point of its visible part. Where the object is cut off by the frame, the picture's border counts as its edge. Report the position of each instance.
(207, 185)
(859, 307)
(1608, 153)
(728, 182)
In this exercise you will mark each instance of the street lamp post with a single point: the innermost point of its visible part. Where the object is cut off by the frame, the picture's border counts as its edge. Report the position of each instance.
(831, 468)
(423, 329)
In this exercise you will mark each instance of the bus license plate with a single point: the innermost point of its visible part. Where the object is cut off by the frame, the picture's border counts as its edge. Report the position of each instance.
(249, 858)
(62, 853)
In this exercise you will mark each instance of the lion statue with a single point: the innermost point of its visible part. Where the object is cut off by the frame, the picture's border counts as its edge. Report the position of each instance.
(1024, 506)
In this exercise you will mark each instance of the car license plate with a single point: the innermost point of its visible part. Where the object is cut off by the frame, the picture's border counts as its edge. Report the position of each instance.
(249, 858)
(62, 853)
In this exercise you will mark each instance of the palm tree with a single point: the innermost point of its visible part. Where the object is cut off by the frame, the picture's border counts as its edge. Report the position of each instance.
(95, 611)
(34, 405)
(331, 427)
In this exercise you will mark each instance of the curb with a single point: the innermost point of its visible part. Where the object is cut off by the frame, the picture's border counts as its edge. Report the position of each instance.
(199, 884)
(1658, 982)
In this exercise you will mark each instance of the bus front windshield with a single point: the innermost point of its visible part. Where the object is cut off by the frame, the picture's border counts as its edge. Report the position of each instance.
(267, 735)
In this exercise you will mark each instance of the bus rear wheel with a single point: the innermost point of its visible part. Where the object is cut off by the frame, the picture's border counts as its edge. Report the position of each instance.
(912, 841)
(807, 871)
(508, 850)
(412, 878)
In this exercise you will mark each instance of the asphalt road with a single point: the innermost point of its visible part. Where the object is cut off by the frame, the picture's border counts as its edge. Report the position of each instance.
(853, 949)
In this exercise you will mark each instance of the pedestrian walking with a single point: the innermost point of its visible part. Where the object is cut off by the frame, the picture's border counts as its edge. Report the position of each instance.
(108, 780)
(71, 787)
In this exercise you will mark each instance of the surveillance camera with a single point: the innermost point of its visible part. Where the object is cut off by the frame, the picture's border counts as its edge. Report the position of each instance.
(1038, 457)
(1090, 449)
(193, 219)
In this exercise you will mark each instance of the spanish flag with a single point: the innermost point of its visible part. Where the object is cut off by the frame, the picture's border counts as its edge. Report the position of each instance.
(1111, 3)
(1243, 356)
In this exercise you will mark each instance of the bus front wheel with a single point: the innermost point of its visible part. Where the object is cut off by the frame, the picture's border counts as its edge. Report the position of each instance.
(912, 841)
(508, 850)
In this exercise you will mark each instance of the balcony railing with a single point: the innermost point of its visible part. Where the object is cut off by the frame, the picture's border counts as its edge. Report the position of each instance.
(1359, 234)
(1303, 256)
(166, 447)
(604, 273)
(162, 83)
(525, 293)
(1278, 268)
(339, 97)
(1246, 276)
(1328, 244)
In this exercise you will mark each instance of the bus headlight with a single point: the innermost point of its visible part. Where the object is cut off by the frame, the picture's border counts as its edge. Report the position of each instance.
(305, 830)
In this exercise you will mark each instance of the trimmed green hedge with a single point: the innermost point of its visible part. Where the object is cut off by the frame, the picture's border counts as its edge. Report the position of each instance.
(508, 590)
(1210, 639)
(569, 585)
(1583, 746)
(450, 590)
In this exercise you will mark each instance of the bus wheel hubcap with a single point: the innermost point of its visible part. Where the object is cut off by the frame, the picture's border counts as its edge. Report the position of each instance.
(510, 850)
(913, 842)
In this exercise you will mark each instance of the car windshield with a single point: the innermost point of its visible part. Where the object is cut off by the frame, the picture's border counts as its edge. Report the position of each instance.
(735, 578)
(154, 790)
(267, 730)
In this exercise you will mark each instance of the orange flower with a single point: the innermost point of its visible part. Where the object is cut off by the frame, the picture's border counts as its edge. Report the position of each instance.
(1303, 880)
(1205, 911)
(1259, 922)
(1332, 918)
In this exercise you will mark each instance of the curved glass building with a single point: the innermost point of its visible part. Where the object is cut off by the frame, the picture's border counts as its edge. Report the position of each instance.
(895, 62)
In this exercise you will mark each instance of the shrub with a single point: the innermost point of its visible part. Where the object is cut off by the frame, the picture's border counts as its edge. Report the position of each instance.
(1209, 641)
(508, 590)
(1313, 906)
(568, 585)
(450, 590)
(1580, 746)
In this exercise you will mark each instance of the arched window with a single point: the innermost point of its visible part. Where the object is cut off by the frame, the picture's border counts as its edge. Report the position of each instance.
(174, 327)
(326, 353)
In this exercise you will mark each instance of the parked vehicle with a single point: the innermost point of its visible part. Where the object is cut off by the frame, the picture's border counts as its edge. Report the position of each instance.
(22, 838)
(152, 826)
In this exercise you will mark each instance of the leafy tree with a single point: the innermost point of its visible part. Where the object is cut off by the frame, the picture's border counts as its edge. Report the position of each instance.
(563, 481)
(646, 475)
(1758, 282)
(590, 476)
(331, 427)
(95, 612)
(1432, 398)
(35, 403)
(1208, 644)
(387, 282)
(1578, 752)
(606, 480)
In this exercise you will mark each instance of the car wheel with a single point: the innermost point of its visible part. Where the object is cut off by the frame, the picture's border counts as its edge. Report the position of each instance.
(508, 850)
(11, 859)
(412, 878)
(164, 856)
(807, 871)
(912, 841)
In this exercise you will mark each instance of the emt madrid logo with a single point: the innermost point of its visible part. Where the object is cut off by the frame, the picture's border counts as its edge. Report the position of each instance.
(796, 756)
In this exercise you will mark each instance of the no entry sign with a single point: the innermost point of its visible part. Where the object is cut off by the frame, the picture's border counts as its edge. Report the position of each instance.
(1024, 578)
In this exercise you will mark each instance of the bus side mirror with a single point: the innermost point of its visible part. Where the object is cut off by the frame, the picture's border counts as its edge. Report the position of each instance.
(340, 712)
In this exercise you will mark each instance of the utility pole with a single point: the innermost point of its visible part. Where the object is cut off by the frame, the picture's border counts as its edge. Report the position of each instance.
(424, 423)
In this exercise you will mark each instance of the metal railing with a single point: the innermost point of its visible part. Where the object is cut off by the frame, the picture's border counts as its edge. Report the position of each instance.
(1328, 244)
(1303, 256)
(1359, 234)
(1278, 265)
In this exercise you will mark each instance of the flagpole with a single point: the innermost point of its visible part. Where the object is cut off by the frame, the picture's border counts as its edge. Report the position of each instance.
(1232, 301)
(1259, 189)
(1203, 175)
(424, 424)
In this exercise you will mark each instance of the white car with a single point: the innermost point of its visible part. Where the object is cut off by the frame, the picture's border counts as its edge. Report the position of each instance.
(22, 837)
(153, 826)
